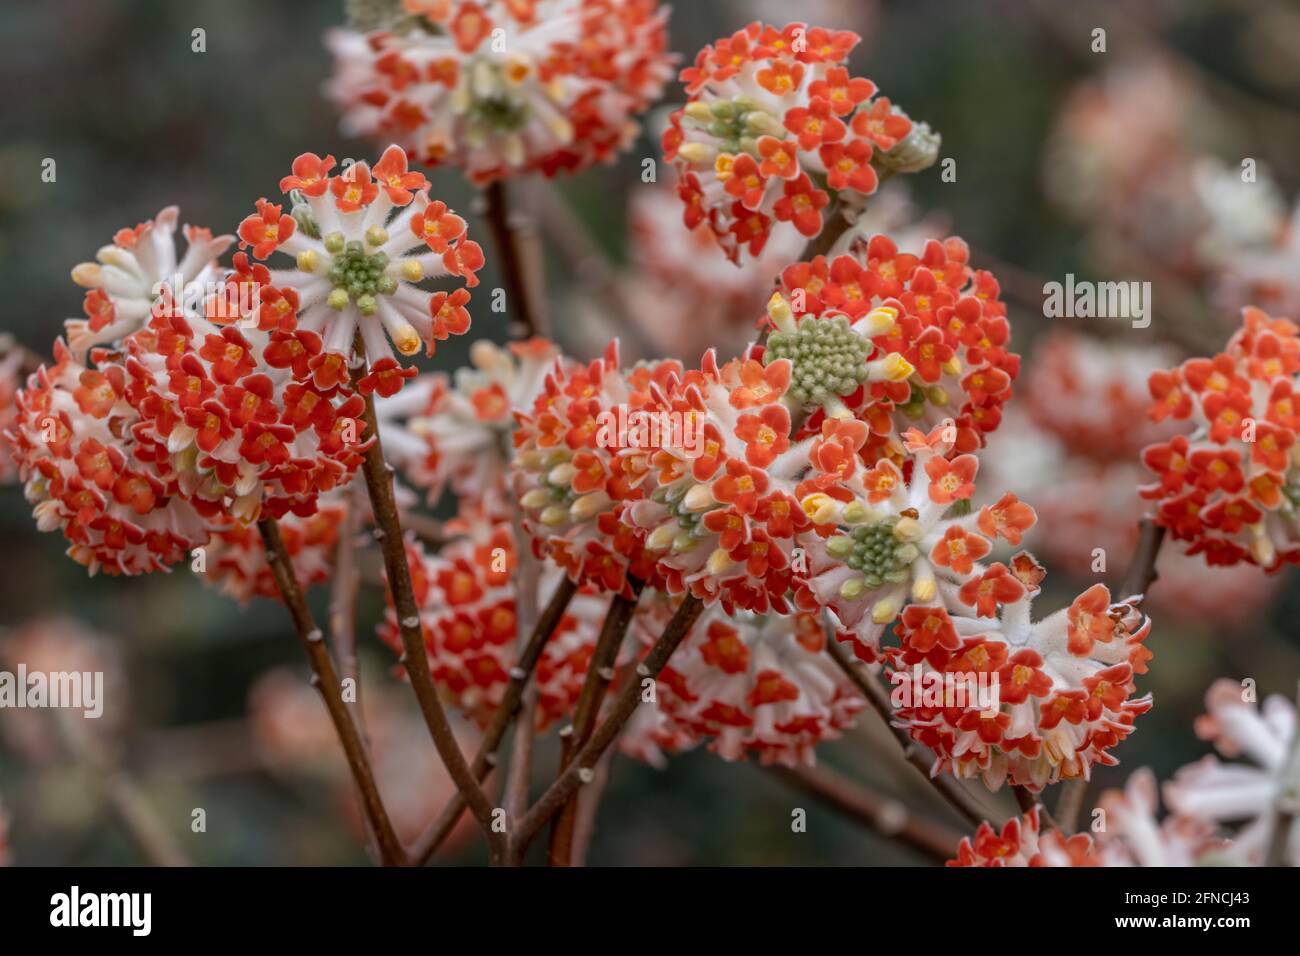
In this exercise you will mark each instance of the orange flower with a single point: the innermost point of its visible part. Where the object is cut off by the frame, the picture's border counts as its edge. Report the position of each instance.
(951, 480)
(1089, 620)
(959, 550)
(310, 175)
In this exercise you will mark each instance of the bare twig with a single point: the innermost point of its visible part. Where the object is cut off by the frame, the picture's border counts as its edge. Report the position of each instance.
(485, 758)
(600, 671)
(888, 817)
(874, 692)
(589, 798)
(325, 680)
(1286, 804)
(629, 697)
(513, 265)
(388, 532)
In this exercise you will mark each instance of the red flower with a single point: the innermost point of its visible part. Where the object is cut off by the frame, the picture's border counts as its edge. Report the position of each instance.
(843, 94)
(959, 550)
(951, 480)
(353, 189)
(437, 226)
(780, 158)
(1090, 621)
(386, 377)
(995, 586)
(815, 124)
(746, 182)
(741, 486)
(759, 385)
(267, 230)
(928, 627)
(848, 166)
(766, 434)
(310, 175)
(450, 317)
(397, 181)
(1009, 518)
(881, 125)
(802, 205)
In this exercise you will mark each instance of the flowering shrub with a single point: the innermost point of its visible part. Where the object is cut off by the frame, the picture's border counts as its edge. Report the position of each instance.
(498, 88)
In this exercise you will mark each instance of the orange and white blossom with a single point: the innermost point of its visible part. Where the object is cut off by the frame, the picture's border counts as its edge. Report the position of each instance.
(468, 601)
(362, 240)
(774, 126)
(880, 541)
(1230, 486)
(574, 478)
(91, 472)
(504, 87)
(454, 432)
(138, 275)
(236, 555)
(1065, 684)
(1243, 795)
(941, 319)
(750, 684)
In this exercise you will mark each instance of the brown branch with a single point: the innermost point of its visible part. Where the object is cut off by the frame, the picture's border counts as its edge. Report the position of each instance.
(580, 770)
(600, 671)
(1141, 572)
(513, 267)
(415, 660)
(326, 682)
(485, 759)
(888, 817)
(589, 798)
(1027, 800)
(957, 795)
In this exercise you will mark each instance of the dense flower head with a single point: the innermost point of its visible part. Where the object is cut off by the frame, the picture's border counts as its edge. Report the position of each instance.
(752, 684)
(1259, 740)
(247, 432)
(468, 611)
(574, 473)
(720, 513)
(453, 433)
(139, 276)
(92, 472)
(1231, 486)
(881, 541)
(503, 87)
(773, 126)
(930, 330)
(236, 556)
(1063, 694)
(362, 239)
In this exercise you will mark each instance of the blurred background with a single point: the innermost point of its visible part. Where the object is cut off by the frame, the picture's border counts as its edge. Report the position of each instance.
(1123, 164)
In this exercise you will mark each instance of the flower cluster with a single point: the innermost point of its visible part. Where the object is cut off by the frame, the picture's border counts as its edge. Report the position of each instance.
(91, 471)
(773, 126)
(760, 684)
(139, 277)
(939, 324)
(468, 611)
(502, 87)
(1060, 690)
(574, 473)
(362, 241)
(454, 433)
(1231, 486)
(236, 555)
